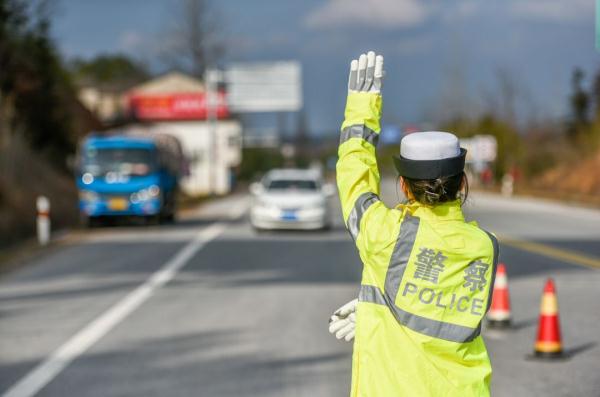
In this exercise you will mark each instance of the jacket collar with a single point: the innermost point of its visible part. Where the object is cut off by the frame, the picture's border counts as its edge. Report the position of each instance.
(450, 211)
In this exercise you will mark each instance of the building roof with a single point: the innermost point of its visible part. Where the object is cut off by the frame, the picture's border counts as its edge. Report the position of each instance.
(172, 82)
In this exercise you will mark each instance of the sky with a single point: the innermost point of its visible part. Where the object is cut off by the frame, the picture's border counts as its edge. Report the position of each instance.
(441, 57)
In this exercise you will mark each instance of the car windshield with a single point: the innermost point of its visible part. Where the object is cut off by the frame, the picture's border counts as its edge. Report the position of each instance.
(127, 162)
(292, 184)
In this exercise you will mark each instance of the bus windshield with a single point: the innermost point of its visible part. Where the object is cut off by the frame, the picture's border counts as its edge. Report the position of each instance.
(122, 161)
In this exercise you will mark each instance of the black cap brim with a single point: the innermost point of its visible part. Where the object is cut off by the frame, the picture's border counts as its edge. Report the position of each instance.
(430, 169)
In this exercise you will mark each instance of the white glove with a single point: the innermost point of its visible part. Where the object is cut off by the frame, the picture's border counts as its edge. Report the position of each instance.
(366, 73)
(343, 321)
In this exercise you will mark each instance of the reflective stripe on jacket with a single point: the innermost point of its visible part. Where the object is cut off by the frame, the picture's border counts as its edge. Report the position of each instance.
(426, 281)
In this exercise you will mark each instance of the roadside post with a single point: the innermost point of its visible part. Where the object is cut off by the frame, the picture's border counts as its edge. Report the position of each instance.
(43, 220)
(507, 185)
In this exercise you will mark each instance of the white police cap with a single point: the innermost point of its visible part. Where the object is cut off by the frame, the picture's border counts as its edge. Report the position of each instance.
(430, 155)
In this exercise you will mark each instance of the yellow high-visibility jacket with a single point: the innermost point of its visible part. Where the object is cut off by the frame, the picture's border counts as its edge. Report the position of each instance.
(426, 282)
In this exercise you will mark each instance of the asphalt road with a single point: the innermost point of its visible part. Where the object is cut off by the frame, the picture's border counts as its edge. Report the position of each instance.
(208, 307)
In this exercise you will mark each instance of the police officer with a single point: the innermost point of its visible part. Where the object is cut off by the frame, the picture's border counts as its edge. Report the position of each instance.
(427, 276)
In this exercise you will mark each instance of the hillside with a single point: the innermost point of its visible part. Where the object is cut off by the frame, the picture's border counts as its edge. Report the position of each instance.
(578, 179)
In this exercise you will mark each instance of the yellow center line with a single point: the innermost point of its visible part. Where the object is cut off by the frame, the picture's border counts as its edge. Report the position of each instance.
(552, 252)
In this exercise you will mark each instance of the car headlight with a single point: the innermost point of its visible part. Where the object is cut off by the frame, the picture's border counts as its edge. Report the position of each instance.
(88, 195)
(145, 194)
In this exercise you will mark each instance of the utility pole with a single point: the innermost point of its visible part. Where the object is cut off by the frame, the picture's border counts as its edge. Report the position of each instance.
(213, 76)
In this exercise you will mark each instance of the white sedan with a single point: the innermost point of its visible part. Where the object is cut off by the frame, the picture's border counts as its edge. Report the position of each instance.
(291, 199)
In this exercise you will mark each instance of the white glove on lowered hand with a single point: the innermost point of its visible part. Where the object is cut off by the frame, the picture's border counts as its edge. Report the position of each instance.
(343, 321)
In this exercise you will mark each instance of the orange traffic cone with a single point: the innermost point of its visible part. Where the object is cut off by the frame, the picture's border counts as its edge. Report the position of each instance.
(499, 314)
(548, 343)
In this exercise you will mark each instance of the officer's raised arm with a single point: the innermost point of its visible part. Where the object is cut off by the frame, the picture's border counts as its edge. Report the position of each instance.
(357, 172)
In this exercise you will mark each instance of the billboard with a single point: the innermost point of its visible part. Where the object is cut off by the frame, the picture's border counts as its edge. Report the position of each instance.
(179, 106)
(480, 148)
(264, 87)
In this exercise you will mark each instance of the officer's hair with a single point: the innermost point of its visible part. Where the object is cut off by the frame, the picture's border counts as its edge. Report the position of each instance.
(438, 191)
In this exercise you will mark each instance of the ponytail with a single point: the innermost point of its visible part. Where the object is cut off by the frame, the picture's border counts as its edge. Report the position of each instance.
(437, 191)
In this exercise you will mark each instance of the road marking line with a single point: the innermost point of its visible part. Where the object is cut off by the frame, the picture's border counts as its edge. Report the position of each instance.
(552, 252)
(77, 345)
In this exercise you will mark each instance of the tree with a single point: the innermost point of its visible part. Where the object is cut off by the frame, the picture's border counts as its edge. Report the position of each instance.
(192, 39)
(40, 121)
(302, 139)
(35, 89)
(508, 95)
(580, 102)
(509, 141)
(109, 69)
(596, 93)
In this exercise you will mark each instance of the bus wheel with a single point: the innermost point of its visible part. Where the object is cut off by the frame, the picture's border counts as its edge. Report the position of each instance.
(89, 222)
(170, 215)
(152, 220)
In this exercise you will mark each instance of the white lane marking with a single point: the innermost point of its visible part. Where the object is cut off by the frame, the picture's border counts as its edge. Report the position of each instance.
(54, 364)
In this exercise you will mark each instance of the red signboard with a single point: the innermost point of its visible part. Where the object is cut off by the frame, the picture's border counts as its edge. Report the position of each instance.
(183, 106)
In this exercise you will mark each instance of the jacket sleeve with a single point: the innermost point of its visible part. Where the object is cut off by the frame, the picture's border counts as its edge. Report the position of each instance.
(365, 215)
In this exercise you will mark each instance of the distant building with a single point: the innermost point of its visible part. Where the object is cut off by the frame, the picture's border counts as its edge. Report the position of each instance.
(107, 105)
(176, 104)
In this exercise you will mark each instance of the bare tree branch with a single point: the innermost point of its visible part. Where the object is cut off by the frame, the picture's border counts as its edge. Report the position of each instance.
(192, 38)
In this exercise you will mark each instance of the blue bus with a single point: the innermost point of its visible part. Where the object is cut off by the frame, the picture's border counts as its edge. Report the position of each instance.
(124, 175)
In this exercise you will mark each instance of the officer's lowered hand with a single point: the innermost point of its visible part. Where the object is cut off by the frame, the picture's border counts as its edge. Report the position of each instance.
(343, 321)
